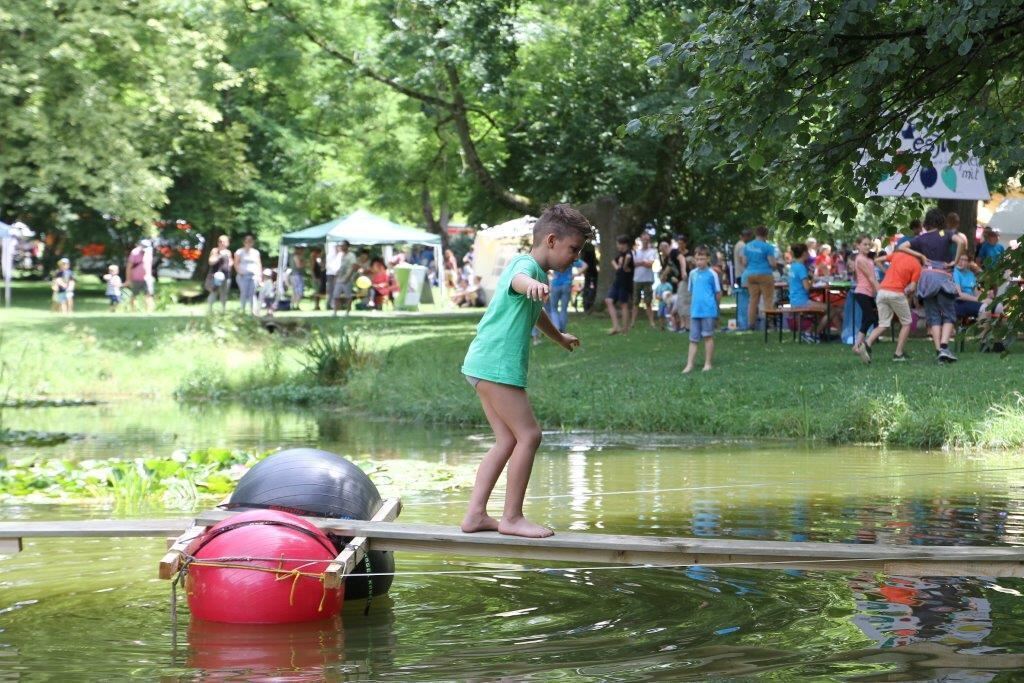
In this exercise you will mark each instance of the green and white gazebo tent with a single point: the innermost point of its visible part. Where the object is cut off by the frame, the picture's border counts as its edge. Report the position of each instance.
(360, 228)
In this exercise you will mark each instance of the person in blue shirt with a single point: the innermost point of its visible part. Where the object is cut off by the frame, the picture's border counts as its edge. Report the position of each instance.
(705, 294)
(990, 251)
(758, 265)
(561, 292)
(967, 302)
(799, 291)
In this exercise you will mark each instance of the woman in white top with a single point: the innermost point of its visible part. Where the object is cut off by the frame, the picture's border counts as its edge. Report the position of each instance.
(218, 276)
(248, 268)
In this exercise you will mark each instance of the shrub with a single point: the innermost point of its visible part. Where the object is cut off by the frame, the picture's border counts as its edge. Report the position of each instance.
(329, 358)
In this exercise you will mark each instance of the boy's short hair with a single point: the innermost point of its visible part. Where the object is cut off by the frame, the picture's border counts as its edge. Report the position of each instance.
(623, 239)
(934, 219)
(861, 237)
(761, 231)
(702, 251)
(798, 249)
(562, 220)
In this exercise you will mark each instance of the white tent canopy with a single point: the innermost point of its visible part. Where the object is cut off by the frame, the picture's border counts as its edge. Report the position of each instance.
(1009, 220)
(495, 247)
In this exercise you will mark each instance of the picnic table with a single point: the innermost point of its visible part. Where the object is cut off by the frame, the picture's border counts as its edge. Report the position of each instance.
(826, 288)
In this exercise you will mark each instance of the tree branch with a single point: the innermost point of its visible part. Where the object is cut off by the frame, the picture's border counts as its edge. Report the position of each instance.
(514, 201)
(361, 69)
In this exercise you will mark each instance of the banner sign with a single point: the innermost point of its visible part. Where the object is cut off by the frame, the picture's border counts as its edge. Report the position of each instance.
(965, 180)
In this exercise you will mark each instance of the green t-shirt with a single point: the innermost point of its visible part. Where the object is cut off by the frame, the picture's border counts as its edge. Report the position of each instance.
(500, 352)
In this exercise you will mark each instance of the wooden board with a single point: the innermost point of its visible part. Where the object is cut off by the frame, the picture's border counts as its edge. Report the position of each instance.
(352, 554)
(95, 528)
(599, 548)
(10, 546)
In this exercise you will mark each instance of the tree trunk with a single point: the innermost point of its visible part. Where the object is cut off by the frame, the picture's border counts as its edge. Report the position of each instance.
(611, 218)
(967, 209)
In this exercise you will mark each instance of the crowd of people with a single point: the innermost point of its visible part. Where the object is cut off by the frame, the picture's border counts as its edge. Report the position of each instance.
(342, 279)
(925, 274)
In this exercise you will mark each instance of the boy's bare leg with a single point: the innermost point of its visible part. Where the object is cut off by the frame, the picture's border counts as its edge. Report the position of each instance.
(650, 313)
(947, 332)
(610, 303)
(879, 331)
(512, 407)
(691, 356)
(709, 352)
(487, 474)
(624, 311)
(901, 340)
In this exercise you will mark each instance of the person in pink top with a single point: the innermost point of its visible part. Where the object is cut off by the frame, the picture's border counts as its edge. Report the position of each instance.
(865, 290)
(139, 274)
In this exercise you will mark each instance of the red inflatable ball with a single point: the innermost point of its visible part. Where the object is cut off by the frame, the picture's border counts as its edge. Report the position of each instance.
(262, 567)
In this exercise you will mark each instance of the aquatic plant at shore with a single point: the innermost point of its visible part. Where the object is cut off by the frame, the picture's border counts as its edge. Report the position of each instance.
(186, 480)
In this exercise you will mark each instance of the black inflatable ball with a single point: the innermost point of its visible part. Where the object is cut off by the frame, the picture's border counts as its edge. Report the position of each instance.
(307, 481)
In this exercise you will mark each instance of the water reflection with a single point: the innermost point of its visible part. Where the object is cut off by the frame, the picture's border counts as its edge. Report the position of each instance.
(658, 624)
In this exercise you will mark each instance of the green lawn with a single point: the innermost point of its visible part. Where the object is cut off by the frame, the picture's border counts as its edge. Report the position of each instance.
(630, 383)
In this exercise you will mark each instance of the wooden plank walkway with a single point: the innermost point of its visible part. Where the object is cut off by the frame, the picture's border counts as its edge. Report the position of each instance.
(593, 548)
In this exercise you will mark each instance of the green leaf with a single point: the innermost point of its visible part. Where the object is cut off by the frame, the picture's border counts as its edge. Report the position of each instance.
(966, 46)
(756, 161)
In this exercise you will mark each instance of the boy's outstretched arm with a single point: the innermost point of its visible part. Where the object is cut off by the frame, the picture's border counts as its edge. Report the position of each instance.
(566, 341)
(530, 288)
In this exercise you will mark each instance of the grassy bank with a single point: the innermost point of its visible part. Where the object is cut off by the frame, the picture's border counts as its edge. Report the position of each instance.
(409, 369)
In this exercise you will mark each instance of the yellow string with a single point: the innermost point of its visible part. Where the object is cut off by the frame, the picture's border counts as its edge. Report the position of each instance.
(280, 574)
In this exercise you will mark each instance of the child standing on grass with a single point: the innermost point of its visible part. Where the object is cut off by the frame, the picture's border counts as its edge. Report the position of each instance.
(113, 280)
(663, 295)
(865, 291)
(705, 295)
(63, 286)
(496, 366)
(621, 291)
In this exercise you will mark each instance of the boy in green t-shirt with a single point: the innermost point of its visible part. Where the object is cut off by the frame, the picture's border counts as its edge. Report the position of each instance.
(496, 365)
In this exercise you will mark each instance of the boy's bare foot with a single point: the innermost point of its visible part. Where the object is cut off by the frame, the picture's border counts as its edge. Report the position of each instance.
(687, 370)
(474, 522)
(523, 527)
(706, 368)
(614, 330)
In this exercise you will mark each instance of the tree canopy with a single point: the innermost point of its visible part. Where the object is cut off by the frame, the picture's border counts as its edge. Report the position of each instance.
(800, 91)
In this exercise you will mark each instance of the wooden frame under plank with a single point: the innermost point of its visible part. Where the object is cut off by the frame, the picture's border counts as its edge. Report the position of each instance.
(352, 554)
(184, 545)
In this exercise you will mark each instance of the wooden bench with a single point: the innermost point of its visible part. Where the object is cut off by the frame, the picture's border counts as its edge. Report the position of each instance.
(778, 313)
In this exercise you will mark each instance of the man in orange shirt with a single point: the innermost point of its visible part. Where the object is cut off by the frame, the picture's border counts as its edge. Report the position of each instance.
(898, 284)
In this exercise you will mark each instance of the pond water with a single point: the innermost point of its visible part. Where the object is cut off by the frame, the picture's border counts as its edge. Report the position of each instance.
(93, 608)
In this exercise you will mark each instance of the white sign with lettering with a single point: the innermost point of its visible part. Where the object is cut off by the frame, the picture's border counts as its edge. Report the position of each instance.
(964, 180)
